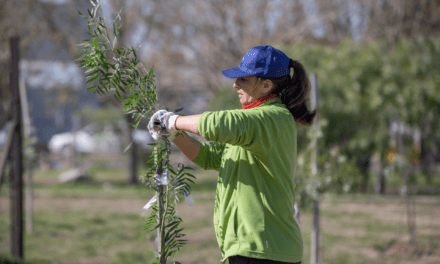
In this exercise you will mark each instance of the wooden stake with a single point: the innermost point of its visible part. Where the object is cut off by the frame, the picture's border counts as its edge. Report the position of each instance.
(29, 164)
(160, 239)
(314, 256)
(29, 201)
(16, 151)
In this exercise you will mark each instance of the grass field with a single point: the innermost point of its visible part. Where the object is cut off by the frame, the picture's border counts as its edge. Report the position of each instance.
(102, 222)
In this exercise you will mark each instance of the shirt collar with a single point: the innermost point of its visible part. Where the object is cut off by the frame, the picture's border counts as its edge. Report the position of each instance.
(265, 100)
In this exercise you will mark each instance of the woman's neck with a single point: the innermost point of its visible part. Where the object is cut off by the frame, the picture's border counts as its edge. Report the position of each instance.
(259, 101)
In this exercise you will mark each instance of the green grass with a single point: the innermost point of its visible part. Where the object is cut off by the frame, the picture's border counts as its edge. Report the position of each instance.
(102, 222)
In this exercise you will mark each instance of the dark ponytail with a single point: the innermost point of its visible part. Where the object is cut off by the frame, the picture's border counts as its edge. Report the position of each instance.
(293, 91)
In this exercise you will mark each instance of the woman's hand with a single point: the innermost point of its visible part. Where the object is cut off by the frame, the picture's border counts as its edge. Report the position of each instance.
(162, 124)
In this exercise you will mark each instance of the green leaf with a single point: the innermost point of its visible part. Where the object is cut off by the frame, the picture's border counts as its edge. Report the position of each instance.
(92, 79)
(128, 147)
(178, 110)
(92, 73)
(172, 225)
(119, 95)
(89, 70)
(100, 90)
(135, 126)
(99, 30)
(81, 14)
(134, 53)
(91, 87)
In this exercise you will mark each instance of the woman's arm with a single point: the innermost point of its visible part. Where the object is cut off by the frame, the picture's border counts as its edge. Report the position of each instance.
(188, 123)
(189, 146)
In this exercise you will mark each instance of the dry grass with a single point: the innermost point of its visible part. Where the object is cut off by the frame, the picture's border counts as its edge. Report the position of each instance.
(101, 223)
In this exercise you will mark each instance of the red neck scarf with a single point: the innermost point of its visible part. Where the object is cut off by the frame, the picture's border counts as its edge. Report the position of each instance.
(259, 101)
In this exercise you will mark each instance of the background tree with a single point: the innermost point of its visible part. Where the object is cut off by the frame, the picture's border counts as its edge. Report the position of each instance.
(189, 44)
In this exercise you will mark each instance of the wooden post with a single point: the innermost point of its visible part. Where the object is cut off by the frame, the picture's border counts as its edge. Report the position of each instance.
(29, 164)
(410, 212)
(29, 200)
(314, 255)
(16, 175)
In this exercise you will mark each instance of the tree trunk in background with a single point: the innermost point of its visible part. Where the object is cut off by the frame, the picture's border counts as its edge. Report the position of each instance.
(427, 149)
(132, 154)
(314, 256)
(380, 184)
(426, 156)
(363, 163)
(405, 192)
(76, 126)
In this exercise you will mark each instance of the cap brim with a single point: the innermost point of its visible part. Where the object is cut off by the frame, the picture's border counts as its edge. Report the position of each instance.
(235, 73)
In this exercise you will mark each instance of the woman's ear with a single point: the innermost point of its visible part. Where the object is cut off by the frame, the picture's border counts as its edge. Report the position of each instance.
(268, 85)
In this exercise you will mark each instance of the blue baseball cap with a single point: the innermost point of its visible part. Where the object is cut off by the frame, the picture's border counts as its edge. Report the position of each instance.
(263, 61)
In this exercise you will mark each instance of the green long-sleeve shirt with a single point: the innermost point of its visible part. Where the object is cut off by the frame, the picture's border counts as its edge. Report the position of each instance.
(254, 151)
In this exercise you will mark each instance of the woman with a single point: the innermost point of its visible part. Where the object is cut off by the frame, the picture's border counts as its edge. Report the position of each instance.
(254, 150)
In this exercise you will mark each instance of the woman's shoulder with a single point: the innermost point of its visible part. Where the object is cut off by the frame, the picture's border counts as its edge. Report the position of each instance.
(262, 112)
(271, 109)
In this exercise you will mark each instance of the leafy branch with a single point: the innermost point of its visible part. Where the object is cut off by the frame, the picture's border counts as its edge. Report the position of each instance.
(118, 71)
(113, 68)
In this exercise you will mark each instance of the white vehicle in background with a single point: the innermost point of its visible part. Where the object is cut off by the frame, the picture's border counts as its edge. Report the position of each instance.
(63, 143)
(87, 141)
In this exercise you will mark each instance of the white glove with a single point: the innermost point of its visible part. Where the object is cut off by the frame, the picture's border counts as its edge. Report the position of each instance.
(162, 124)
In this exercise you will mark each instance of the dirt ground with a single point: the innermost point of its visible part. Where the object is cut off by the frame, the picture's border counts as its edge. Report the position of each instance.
(390, 213)
(354, 225)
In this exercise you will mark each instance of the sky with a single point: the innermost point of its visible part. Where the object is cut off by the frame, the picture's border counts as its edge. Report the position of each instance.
(314, 22)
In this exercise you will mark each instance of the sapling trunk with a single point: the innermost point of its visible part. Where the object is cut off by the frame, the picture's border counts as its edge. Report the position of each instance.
(159, 171)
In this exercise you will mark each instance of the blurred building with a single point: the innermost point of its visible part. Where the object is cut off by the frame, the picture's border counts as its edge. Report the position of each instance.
(54, 90)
